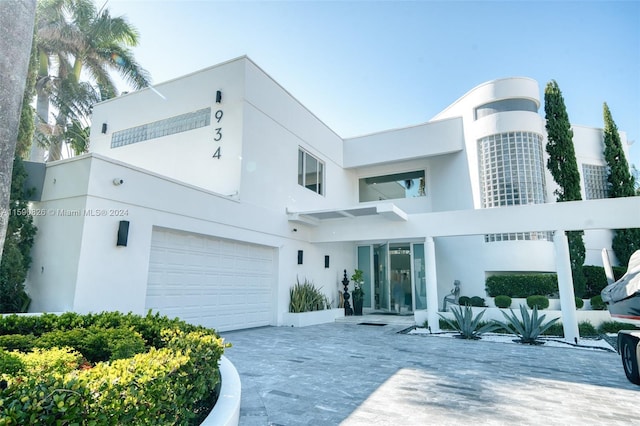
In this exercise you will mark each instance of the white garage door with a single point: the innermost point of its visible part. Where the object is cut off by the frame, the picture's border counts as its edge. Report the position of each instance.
(222, 284)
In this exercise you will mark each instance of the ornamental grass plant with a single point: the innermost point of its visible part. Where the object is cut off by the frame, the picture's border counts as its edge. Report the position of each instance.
(305, 297)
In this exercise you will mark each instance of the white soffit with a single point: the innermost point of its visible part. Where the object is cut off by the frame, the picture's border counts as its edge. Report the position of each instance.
(387, 210)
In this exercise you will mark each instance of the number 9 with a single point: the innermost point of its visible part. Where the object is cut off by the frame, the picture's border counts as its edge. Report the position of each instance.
(219, 115)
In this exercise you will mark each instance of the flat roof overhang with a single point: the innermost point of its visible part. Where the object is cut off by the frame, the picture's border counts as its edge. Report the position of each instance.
(608, 213)
(386, 210)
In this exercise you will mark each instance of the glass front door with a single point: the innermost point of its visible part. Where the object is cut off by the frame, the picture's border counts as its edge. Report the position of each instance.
(393, 276)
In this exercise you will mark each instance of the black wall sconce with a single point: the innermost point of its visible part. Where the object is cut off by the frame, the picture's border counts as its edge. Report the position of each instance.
(299, 257)
(218, 96)
(123, 233)
(104, 128)
(326, 261)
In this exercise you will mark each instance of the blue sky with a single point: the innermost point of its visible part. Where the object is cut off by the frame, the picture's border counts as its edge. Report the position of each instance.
(366, 66)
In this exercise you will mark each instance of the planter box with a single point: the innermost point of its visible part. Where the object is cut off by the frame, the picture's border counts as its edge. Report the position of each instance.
(304, 319)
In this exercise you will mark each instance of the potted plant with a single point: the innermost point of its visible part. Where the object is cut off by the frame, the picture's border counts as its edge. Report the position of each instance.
(358, 292)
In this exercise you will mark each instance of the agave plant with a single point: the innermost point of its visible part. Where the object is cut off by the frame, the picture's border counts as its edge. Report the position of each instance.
(467, 325)
(530, 328)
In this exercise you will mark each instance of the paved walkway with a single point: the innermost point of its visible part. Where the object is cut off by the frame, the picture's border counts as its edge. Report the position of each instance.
(345, 373)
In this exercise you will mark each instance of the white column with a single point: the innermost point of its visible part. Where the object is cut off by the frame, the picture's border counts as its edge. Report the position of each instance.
(432, 285)
(565, 286)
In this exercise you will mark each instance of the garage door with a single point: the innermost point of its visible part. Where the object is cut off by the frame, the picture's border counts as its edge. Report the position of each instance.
(218, 283)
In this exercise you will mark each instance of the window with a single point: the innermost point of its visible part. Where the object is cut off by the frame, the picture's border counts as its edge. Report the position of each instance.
(506, 105)
(389, 187)
(310, 172)
(512, 173)
(596, 184)
(157, 129)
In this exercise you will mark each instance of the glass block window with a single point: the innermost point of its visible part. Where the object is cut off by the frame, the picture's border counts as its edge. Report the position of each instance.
(512, 173)
(310, 172)
(596, 184)
(169, 126)
(519, 236)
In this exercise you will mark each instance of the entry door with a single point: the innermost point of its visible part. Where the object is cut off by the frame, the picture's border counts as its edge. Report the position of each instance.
(400, 277)
(383, 290)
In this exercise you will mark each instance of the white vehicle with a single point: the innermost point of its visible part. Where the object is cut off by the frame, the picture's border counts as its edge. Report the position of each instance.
(623, 301)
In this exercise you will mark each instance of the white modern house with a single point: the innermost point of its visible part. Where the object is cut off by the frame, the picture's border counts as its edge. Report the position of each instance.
(208, 196)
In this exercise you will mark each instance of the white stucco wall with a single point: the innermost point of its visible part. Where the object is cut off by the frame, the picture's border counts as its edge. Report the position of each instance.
(168, 155)
(85, 271)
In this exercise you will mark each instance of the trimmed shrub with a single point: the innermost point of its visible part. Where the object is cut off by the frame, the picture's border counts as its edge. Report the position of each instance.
(579, 303)
(173, 383)
(587, 329)
(615, 326)
(502, 301)
(542, 302)
(96, 344)
(477, 301)
(10, 363)
(597, 304)
(18, 342)
(521, 285)
(555, 330)
(464, 301)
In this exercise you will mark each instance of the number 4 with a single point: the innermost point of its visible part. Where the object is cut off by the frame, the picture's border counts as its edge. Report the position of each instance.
(217, 154)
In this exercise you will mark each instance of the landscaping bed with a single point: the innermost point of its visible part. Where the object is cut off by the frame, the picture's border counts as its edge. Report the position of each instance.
(106, 369)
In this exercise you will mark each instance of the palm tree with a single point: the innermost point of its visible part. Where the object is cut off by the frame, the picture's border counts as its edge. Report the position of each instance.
(16, 33)
(75, 39)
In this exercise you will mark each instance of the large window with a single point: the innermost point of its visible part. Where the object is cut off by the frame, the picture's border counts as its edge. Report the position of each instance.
(596, 184)
(506, 105)
(511, 169)
(310, 172)
(512, 173)
(389, 187)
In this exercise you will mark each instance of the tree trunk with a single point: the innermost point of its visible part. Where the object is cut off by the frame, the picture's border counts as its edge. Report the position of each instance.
(16, 34)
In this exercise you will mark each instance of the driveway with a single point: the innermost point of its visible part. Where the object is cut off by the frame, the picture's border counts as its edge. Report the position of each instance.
(345, 373)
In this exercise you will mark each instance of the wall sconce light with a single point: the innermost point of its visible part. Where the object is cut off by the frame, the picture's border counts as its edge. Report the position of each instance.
(123, 233)
(299, 257)
(218, 96)
(326, 261)
(104, 128)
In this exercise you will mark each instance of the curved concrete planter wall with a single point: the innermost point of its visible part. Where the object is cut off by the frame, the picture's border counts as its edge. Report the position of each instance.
(226, 412)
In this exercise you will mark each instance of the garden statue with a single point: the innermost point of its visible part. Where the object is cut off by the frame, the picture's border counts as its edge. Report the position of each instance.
(453, 296)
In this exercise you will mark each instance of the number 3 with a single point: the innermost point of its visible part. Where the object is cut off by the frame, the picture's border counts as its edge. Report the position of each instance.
(218, 135)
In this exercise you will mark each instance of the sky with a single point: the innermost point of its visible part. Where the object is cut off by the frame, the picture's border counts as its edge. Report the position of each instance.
(367, 66)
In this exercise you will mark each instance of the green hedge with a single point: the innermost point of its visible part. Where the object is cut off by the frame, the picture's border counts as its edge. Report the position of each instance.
(521, 285)
(524, 285)
(172, 382)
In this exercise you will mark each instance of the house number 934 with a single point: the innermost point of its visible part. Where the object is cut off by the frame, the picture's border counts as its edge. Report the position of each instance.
(217, 136)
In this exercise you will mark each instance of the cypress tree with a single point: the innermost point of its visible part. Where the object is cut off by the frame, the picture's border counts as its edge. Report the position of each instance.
(621, 184)
(564, 168)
